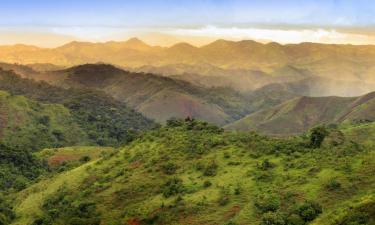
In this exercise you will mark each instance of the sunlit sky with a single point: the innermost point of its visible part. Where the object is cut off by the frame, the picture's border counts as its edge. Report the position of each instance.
(50, 23)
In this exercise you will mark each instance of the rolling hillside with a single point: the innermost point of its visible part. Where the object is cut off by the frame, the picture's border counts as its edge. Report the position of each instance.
(31, 125)
(27, 126)
(302, 113)
(105, 120)
(157, 97)
(190, 172)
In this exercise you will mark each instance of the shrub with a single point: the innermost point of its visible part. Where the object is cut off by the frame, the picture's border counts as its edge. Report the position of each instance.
(231, 223)
(266, 165)
(169, 168)
(85, 158)
(308, 211)
(210, 169)
(357, 218)
(207, 184)
(267, 202)
(272, 218)
(333, 185)
(317, 136)
(172, 187)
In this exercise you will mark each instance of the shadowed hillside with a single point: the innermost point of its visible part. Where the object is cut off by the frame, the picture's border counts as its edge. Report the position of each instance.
(157, 97)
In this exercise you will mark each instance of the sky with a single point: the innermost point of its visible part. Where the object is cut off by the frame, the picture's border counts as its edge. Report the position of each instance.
(50, 23)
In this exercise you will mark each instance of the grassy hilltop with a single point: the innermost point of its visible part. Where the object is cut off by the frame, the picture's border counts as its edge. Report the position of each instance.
(191, 172)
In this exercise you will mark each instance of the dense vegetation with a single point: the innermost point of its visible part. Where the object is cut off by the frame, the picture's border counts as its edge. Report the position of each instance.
(191, 172)
(104, 120)
(53, 117)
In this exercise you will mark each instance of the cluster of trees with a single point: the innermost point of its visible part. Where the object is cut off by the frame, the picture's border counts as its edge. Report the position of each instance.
(18, 167)
(72, 212)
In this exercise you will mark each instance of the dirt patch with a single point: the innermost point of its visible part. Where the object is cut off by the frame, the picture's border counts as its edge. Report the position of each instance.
(57, 160)
(232, 212)
(133, 221)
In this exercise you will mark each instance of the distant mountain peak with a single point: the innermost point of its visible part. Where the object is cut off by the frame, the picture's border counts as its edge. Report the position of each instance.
(183, 46)
(97, 68)
(135, 40)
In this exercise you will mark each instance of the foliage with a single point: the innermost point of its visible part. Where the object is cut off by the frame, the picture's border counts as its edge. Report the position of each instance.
(159, 179)
(105, 120)
(317, 136)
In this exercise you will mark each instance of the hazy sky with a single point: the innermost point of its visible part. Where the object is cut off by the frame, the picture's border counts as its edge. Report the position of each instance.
(52, 23)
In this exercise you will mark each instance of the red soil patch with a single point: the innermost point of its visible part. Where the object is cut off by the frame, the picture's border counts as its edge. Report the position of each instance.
(133, 221)
(233, 212)
(57, 160)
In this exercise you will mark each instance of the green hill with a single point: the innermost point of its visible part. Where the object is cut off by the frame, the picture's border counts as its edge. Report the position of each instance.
(25, 127)
(190, 172)
(105, 120)
(302, 113)
(32, 125)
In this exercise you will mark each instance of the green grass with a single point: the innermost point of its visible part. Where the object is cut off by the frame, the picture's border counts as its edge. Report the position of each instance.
(127, 185)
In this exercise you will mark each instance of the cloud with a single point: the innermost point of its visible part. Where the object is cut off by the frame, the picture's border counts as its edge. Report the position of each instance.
(285, 36)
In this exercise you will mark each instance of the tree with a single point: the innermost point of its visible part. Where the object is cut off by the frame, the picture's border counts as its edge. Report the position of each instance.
(317, 136)
(309, 211)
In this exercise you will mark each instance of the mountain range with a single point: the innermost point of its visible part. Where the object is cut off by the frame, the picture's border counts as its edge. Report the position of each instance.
(243, 65)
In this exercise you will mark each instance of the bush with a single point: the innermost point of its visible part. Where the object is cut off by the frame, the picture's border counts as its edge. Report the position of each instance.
(169, 168)
(210, 169)
(357, 218)
(207, 184)
(308, 211)
(272, 218)
(173, 187)
(266, 165)
(267, 202)
(85, 158)
(333, 185)
(317, 136)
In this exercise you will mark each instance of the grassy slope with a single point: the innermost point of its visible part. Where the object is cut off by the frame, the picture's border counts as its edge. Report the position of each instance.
(127, 187)
(31, 125)
(300, 114)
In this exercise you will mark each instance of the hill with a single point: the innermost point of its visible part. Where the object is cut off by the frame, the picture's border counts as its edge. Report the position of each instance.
(105, 120)
(27, 126)
(32, 125)
(302, 113)
(190, 172)
(157, 97)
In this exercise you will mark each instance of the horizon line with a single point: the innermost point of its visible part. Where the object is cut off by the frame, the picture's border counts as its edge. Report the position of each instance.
(181, 42)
